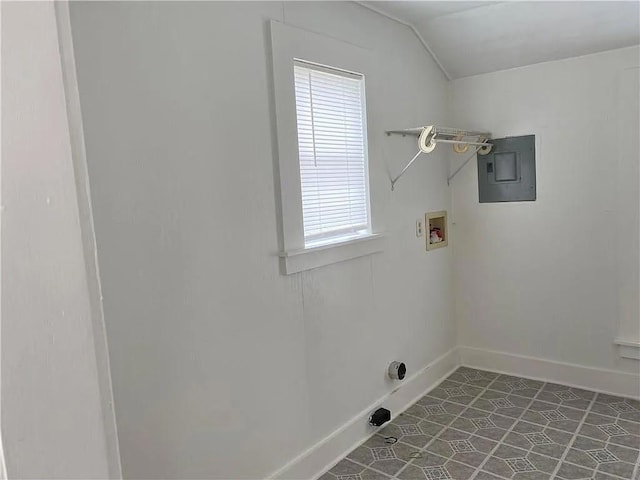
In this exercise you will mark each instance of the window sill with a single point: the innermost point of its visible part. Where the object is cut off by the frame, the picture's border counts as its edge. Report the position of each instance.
(628, 348)
(309, 258)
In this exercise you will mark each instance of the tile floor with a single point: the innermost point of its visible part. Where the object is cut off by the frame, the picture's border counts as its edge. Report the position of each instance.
(485, 426)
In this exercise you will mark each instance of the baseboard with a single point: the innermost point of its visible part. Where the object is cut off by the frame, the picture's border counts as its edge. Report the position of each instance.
(600, 380)
(321, 456)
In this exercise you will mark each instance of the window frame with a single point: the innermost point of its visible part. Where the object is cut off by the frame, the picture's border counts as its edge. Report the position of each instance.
(339, 238)
(288, 45)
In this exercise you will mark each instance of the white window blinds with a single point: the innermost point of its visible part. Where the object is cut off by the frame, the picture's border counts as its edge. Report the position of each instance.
(332, 153)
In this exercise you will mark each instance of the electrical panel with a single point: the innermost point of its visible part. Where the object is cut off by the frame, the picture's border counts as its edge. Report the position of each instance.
(508, 172)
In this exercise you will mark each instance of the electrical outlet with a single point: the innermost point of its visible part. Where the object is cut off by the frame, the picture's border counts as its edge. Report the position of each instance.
(419, 227)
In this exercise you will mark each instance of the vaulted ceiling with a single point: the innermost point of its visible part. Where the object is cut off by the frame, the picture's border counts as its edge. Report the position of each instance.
(469, 38)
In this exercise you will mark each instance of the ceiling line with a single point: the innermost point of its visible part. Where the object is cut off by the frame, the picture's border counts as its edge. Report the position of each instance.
(415, 32)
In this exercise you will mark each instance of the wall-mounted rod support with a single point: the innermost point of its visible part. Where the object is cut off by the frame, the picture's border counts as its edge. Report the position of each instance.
(430, 136)
(450, 177)
(408, 131)
(394, 180)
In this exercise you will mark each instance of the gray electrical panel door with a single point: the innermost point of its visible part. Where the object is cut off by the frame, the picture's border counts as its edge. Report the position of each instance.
(508, 172)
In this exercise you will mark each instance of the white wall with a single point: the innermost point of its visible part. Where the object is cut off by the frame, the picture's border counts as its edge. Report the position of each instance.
(54, 407)
(543, 278)
(222, 367)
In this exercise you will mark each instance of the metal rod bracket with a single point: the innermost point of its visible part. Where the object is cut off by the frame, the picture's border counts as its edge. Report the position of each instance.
(430, 136)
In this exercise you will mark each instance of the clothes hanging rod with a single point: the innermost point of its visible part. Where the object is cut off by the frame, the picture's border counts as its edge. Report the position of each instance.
(438, 140)
(430, 136)
(461, 142)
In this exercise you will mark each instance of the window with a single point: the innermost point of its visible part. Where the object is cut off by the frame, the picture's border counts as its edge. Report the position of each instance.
(329, 206)
(332, 153)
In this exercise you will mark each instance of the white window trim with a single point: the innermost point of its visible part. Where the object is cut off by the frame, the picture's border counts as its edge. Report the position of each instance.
(626, 241)
(628, 348)
(289, 43)
(300, 260)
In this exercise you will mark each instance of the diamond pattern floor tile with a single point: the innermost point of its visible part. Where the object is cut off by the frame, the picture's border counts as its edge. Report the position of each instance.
(611, 406)
(573, 472)
(348, 470)
(612, 429)
(538, 439)
(462, 447)
(435, 410)
(554, 416)
(566, 396)
(522, 387)
(473, 377)
(377, 453)
(411, 430)
(479, 425)
(502, 403)
(456, 392)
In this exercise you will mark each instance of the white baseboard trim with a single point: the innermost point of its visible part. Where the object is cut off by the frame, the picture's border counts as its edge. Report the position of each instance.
(321, 456)
(316, 460)
(597, 379)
